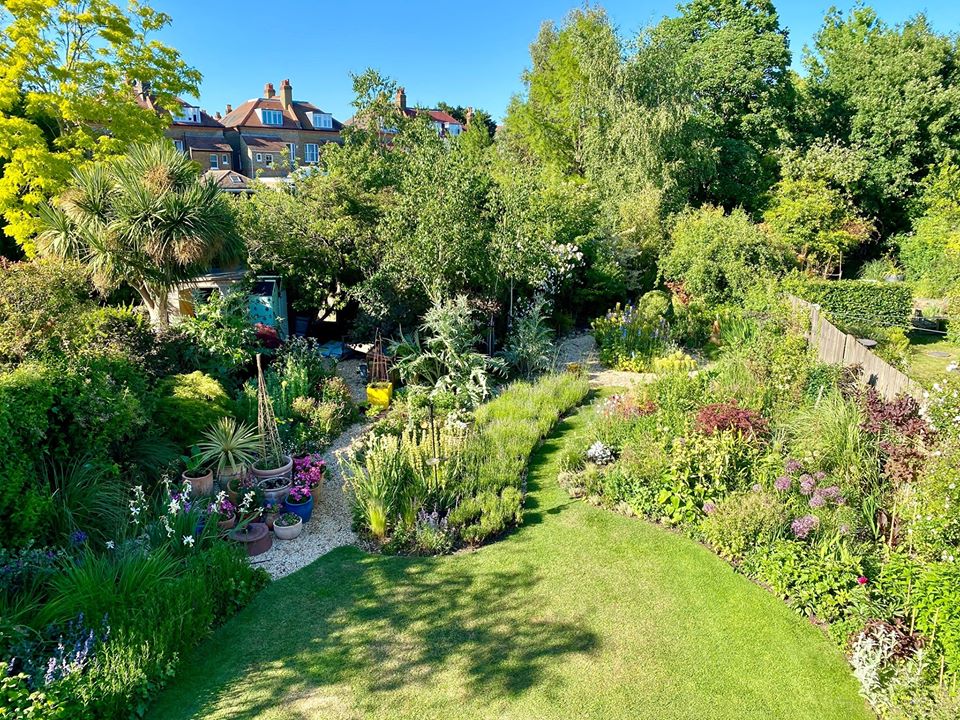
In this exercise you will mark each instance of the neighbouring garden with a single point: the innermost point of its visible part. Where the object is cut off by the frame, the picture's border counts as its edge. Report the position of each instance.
(714, 522)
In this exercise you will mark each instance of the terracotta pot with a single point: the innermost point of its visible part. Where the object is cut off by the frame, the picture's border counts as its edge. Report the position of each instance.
(199, 486)
(288, 532)
(315, 492)
(270, 518)
(255, 537)
(228, 476)
(229, 523)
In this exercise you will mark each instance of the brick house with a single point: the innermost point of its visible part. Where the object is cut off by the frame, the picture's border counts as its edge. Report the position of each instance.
(446, 124)
(193, 132)
(274, 133)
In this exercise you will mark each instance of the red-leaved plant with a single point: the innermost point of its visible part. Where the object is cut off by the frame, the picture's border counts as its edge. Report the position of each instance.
(719, 417)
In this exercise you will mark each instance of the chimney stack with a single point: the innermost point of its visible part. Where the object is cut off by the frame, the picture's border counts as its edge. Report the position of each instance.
(217, 115)
(268, 91)
(401, 98)
(286, 94)
(469, 115)
(229, 108)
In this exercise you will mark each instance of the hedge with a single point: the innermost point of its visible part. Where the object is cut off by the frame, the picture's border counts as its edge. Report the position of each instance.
(857, 301)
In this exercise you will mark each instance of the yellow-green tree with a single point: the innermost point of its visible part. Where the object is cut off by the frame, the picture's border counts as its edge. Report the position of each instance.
(67, 95)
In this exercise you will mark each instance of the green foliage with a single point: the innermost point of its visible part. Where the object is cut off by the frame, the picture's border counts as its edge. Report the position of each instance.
(221, 329)
(718, 256)
(188, 404)
(66, 96)
(855, 301)
(743, 520)
(488, 514)
(148, 220)
(629, 338)
(529, 348)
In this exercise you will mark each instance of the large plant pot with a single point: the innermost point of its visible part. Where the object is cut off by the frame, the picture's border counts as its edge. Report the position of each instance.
(199, 486)
(254, 537)
(226, 477)
(304, 509)
(284, 473)
(228, 523)
(288, 532)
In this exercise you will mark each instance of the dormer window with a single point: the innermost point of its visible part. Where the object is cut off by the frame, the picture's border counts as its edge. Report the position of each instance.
(189, 114)
(322, 120)
(453, 129)
(271, 117)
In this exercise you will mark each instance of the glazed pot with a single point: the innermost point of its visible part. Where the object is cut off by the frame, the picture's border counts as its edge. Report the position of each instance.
(288, 532)
(254, 537)
(199, 486)
(284, 472)
(303, 509)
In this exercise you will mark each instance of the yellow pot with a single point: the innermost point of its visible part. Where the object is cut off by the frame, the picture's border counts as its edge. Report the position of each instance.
(379, 394)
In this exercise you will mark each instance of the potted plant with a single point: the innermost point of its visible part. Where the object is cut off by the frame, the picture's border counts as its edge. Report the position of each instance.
(270, 512)
(274, 469)
(224, 510)
(299, 501)
(197, 474)
(288, 526)
(310, 471)
(231, 446)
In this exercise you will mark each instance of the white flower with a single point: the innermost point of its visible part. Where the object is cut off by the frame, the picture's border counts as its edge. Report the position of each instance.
(188, 540)
(952, 366)
(110, 545)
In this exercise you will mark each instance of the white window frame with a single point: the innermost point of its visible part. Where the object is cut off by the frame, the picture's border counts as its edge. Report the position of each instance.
(178, 144)
(189, 114)
(214, 161)
(268, 159)
(271, 114)
(292, 152)
(225, 161)
(323, 121)
(259, 157)
(311, 153)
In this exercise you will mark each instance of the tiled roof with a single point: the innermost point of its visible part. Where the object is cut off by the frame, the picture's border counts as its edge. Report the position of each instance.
(229, 179)
(265, 144)
(294, 118)
(206, 144)
(149, 102)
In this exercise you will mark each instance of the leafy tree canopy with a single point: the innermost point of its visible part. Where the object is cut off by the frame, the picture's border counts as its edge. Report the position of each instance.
(67, 69)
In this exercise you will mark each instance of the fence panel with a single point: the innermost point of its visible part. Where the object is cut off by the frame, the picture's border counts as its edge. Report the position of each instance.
(838, 348)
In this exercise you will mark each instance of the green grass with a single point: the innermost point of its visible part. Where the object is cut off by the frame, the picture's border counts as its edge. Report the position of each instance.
(580, 613)
(925, 368)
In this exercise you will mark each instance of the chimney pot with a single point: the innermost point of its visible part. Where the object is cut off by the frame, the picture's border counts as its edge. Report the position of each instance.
(401, 98)
(229, 108)
(268, 91)
(217, 115)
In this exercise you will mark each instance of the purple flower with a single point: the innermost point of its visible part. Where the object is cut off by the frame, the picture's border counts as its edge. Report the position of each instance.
(709, 507)
(807, 484)
(817, 500)
(757, 487)
(793, 466)
(844, 529)
(78, 537)
(819, 475)
(803, 526)
(783, 483)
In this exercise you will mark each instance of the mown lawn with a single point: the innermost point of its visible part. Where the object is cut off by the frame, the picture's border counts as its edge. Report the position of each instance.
(929, 357)
(581, 613)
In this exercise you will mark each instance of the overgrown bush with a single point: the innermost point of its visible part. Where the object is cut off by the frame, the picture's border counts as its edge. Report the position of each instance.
(189, 404)
(743, 520)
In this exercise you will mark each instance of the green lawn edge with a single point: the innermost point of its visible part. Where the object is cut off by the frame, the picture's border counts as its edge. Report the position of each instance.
(580, 612)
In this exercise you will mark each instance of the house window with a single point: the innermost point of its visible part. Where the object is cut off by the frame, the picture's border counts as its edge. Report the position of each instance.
(225, 160)
(292, 153)
(214, 165)
(259, 157)
(323, 121)
(453, 129)
(272, 117)
(178, 144)
(268, 159)
(310, 153)
(188, 114)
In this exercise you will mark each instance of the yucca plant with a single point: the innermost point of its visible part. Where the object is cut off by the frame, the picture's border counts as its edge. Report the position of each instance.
(229, 444)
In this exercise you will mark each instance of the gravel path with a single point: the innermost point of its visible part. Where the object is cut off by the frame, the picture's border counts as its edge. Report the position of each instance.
(581, 348)
(330, 524)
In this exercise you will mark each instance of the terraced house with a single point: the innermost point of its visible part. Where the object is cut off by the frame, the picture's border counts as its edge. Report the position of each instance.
(274, 133)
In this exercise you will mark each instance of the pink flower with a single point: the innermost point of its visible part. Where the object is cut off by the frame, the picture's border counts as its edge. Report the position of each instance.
(862, 580)
(709, 507)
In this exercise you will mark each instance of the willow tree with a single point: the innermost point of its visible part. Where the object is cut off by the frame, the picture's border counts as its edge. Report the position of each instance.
(148, 220)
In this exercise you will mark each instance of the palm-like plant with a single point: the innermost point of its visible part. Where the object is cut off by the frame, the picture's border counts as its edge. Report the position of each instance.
(230, 444)
(149, 220)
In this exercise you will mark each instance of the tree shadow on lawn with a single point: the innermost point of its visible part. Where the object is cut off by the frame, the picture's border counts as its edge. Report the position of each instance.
(379, 624)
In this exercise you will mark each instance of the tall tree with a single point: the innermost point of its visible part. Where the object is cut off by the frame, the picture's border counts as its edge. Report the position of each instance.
(149, 220)
(67, 72)
(892, 91)
(735, 56)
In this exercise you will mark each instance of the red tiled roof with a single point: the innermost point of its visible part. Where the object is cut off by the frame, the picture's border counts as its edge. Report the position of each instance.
(294, 118)
(149, 102)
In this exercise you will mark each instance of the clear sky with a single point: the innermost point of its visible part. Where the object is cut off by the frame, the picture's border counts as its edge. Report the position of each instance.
(463, 53)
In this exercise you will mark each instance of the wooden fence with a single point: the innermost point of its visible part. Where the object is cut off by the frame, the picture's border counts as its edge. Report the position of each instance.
(836, 347)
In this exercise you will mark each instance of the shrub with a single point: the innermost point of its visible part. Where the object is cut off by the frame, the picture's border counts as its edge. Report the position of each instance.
(486, 515)
(189, 404)
(730, 417)
(529, 348)
(742, 521)
(628, 338)
(221, 327)
(856, 301)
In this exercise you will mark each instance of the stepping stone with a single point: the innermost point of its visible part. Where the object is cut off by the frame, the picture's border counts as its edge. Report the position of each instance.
(939, 354)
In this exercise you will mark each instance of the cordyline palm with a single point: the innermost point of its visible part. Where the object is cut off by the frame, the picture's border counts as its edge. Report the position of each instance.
(149, 219)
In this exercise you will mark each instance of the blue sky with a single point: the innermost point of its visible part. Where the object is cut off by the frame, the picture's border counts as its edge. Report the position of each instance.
(465, 53)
